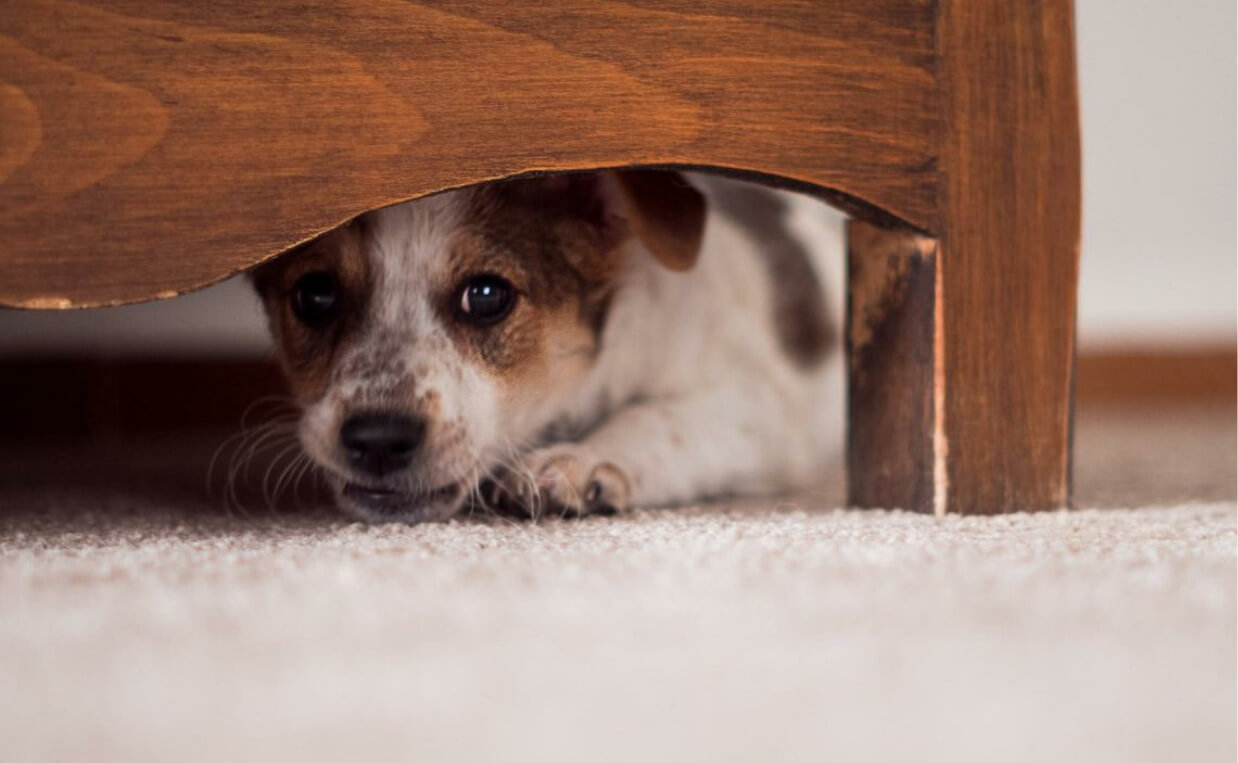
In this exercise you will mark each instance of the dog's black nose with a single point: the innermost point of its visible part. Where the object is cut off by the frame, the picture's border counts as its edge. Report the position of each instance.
(380, 443)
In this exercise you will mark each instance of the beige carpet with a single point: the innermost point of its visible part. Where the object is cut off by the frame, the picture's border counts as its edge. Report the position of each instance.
(139, 622)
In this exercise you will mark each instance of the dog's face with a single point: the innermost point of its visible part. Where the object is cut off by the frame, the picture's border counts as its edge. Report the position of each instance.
(426, 342)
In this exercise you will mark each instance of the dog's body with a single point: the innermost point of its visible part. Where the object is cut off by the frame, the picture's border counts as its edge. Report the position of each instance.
(625, 370)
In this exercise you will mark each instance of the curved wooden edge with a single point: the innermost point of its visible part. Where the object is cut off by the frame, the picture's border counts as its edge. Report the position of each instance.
(150, 148)
(853, 205)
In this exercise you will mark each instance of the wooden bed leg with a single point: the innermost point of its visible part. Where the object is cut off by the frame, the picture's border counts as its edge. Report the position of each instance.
(960, 396)
(904, 448)
(963, 348)
(894, 450)
(1009, 233)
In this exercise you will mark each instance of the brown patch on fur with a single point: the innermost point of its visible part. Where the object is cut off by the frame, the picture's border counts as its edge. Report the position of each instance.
(557, 239)
(667, 213)
(552, 244)
(800, 317)
(308, 353)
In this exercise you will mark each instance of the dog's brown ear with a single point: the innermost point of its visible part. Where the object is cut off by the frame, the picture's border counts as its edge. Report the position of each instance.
(665, 212)
(659, 207)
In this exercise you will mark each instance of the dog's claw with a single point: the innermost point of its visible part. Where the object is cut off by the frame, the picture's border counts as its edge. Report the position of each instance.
(568, 482)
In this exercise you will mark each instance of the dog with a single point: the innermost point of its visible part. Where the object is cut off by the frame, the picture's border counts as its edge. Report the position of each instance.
(559, 345)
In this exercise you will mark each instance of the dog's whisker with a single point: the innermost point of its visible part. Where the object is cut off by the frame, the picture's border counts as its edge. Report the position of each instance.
(242, 454)
(299, 478)
(238, 443)
(305, 468)
(285, 473)
(282, 404)
(252, 442)
(268, 494)
(274, 437)
(309, 468)
(271, 453)
(214, 461)
(288, 476)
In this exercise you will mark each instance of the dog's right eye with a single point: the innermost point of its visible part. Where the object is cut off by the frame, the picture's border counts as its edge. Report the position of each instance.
(486, 300)
(314, 297)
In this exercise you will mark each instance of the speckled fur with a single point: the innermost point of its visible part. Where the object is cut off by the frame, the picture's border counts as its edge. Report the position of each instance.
(616, 382)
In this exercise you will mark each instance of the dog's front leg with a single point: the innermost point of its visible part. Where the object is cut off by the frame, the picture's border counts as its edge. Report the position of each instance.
(666, 451)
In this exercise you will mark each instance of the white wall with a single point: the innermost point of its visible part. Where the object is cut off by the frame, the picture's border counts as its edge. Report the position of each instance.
(1158, 83)
(221, 320)
(1157, 91)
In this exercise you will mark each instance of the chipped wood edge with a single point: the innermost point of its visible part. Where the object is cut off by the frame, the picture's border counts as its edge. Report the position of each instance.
(941, 442)
(836, 197)
(896, 369)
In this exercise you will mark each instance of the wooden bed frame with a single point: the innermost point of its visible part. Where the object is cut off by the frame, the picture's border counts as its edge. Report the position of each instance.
(150, 148)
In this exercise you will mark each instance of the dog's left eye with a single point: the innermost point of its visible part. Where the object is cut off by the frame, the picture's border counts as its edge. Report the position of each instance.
(314, 297)
(486, 300)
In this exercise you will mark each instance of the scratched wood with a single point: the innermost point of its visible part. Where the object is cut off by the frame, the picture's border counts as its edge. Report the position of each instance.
(893, 364)
(148, 148)
(962, 364)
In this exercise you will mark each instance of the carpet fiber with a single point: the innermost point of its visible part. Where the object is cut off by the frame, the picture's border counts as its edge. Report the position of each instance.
(140, 622)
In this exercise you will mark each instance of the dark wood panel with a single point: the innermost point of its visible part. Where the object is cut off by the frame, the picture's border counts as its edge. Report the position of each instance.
(147, 148)
(893, 443)
(1009, 236)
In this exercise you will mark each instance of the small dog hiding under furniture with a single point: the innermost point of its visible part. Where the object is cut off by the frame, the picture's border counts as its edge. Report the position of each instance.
(559, 345)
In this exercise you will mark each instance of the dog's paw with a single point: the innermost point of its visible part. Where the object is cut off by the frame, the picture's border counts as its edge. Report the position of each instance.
(561, 481)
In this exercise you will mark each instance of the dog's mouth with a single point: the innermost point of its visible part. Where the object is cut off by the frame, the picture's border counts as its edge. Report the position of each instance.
(390, 502)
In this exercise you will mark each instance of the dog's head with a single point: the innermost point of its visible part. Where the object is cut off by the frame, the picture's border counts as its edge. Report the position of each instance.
(427, 341)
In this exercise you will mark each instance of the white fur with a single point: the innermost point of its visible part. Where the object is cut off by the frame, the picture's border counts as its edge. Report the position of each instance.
(406, 242)
(690, 396)
(717, 407)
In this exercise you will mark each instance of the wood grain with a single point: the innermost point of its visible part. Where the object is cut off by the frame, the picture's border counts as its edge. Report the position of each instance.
(893, 442)
(149, 148)
(1009, 226)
